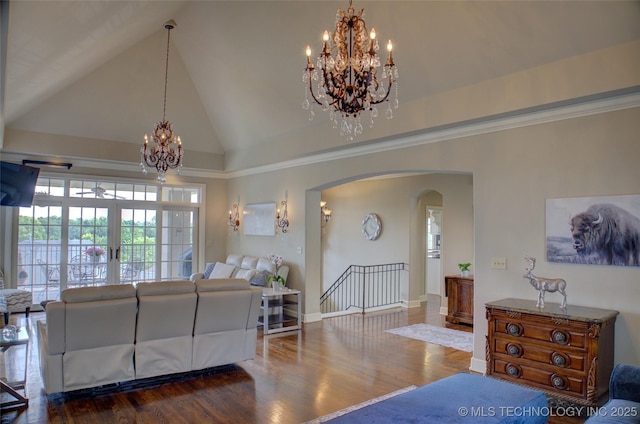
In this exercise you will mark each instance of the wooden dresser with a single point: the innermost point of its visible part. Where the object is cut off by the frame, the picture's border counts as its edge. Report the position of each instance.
(566, 353)
(459, 291)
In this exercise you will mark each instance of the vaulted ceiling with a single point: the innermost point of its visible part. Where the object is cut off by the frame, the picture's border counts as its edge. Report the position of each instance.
(94, 70)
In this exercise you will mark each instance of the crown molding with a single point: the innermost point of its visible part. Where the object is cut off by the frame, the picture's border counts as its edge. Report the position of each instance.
(591, 105)
(518, 119)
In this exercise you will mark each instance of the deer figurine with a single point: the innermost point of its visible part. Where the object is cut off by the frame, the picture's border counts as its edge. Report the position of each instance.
(543, 285)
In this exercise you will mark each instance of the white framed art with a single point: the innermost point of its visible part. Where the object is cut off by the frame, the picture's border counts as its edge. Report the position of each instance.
(260, 219)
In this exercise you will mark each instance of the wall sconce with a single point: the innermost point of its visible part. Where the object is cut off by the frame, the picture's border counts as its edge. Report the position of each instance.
(234, 216)
(325, 214)
(283, 223)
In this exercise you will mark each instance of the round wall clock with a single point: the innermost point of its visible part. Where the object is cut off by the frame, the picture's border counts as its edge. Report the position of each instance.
(371, 226)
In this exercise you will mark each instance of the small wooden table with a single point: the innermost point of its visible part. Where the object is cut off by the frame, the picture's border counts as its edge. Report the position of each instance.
(12, 387)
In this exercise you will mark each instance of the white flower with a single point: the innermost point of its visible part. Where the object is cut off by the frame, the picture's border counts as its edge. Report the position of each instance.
(276, 260)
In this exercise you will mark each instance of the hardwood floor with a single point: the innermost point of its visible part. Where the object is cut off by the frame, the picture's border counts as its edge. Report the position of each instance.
(295, 377)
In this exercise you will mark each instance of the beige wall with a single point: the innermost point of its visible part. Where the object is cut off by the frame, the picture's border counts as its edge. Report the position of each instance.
(514, 171)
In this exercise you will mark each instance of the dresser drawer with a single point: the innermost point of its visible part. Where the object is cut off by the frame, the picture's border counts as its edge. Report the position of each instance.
(523, 372)
(560, 358)
(543, 330)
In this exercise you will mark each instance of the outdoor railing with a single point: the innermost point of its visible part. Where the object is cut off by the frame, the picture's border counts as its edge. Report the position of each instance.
(362, 288)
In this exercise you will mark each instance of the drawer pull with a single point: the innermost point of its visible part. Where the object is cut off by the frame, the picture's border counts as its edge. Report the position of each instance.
(560, 337)
(558, 382)
(559, 360)
(514, 329)
(513, 370)
(514, 350)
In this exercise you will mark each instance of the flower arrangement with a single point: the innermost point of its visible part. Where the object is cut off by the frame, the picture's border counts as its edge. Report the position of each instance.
(95, 251)
(277, 261)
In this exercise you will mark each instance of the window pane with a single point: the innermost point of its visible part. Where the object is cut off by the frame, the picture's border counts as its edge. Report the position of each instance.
(177, 237)
(39, 247)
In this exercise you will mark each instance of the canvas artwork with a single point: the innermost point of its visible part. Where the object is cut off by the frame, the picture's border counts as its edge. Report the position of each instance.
(259, 219)
(602, 230)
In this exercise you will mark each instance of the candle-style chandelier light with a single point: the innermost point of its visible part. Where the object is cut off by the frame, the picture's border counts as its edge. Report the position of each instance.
(347, 83)
(167, 152)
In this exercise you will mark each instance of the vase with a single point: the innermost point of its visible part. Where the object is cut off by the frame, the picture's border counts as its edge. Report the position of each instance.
(465, 273)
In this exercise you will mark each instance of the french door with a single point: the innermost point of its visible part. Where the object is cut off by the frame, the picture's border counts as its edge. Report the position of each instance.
(91, 242)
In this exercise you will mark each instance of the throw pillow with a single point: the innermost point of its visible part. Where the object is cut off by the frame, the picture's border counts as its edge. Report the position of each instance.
(208, 270)
(221, 270)
(247, 274)
(260, 279)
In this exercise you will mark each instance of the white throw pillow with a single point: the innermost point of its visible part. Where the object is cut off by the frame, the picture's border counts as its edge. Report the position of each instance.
(247, 274)
(221, 270)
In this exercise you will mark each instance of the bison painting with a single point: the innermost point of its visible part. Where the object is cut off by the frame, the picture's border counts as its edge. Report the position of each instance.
(607, 234)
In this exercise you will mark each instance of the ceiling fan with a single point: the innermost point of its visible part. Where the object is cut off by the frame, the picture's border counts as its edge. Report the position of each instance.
(99, 192)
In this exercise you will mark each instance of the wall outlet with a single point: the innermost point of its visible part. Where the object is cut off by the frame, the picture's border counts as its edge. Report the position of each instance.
(499, 263)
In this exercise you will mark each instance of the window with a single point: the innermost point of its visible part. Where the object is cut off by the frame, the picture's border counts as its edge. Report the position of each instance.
(88, 232)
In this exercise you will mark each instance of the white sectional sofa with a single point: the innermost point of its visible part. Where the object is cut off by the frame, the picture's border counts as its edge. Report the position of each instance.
(251, 268)
(103, 335)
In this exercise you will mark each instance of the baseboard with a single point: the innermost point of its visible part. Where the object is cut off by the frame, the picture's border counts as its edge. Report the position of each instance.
(411, 303)
(478, 365)
(444, 310)
(317, 316)
(422, 298)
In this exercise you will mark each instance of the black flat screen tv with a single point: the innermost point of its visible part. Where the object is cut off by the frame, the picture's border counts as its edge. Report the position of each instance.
(17, 184)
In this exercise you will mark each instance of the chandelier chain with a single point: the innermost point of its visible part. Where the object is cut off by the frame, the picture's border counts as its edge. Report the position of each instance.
(169, 27)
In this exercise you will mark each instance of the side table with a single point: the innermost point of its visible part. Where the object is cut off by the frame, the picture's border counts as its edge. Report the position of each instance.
(275, 312)
(11, 398)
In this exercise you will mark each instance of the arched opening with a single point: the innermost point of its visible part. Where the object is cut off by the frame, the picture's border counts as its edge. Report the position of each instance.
(401, 202)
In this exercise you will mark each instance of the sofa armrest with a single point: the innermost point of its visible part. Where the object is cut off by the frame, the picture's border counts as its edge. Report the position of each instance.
(625, 383)
(196, 276)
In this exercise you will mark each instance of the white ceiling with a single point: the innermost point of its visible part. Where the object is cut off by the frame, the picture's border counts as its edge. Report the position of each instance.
(95, 69)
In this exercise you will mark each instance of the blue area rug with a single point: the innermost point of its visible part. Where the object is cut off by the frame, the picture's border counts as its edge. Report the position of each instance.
(462, 398)
(460, 340)
(345, 411)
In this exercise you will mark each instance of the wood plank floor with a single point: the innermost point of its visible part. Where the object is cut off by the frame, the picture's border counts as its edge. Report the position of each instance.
(295, 377)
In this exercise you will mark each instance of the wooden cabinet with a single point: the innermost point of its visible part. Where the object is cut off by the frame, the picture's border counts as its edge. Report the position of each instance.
(459, 291)
(568, 353)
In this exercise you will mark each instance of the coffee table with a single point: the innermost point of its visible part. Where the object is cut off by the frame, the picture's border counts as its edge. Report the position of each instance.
(16, 400)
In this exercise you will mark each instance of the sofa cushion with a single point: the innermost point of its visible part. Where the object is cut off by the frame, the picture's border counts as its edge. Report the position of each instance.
(89, 294)
(249, 262)
(235, 260)
(221, 270)
(265, 264)
(165, 287)
(221, 284)
(208, 270)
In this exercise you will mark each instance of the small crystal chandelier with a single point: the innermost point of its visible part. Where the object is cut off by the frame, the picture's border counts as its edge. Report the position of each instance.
(167, 152)
(347, 83)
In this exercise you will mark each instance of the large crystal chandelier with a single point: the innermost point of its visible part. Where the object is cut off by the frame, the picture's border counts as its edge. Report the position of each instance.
(167, 151)
(347, 83)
